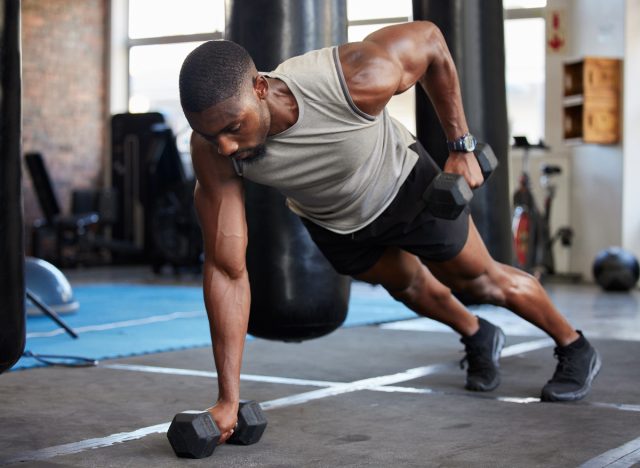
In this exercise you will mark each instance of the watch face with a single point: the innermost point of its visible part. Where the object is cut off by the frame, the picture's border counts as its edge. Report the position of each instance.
(469, 142)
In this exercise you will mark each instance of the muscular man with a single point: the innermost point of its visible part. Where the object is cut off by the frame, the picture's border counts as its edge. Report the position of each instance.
(316, 128)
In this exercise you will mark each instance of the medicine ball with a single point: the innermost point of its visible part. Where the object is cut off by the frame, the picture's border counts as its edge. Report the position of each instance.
(616, 269)
(50, 285)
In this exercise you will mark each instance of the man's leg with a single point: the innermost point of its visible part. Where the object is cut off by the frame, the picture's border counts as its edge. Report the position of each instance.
(474, 272)
(410, 282)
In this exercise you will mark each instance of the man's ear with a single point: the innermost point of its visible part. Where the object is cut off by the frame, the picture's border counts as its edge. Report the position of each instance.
(261, 86)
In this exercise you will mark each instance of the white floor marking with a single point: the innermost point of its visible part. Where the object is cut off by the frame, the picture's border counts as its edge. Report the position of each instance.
(619, 457)
(123, 324)
(364, 384)
(88, 444)
(213, 375)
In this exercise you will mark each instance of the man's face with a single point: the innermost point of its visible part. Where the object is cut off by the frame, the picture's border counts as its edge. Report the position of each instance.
(237, 127)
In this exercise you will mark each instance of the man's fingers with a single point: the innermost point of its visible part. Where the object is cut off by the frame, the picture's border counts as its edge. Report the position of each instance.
(225, 436)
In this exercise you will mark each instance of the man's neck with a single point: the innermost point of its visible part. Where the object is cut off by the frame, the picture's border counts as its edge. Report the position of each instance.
(282, 106)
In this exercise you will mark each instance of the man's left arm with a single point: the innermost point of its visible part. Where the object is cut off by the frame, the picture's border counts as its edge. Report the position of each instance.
(391, 60)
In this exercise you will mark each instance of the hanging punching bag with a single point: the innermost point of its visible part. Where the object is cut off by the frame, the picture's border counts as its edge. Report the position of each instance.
(12, 316)
(474, 31)
(295, 293)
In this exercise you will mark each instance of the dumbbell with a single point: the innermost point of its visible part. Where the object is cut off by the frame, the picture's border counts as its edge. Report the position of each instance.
(448, 194)
(486, 159)
(194, 434)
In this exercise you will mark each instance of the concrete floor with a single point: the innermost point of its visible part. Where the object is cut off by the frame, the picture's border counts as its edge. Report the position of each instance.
(347, 399)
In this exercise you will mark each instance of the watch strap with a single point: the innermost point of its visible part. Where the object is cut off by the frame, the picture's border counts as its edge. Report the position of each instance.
(461, 144)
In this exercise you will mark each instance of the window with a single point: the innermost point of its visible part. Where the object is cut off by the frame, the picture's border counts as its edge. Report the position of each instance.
(158, 18)
(524, 34)
(161, 33)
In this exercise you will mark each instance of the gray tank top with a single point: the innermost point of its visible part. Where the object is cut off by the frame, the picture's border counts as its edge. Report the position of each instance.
(337, 166)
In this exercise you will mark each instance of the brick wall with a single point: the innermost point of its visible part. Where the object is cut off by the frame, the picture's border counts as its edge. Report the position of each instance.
(64, 79)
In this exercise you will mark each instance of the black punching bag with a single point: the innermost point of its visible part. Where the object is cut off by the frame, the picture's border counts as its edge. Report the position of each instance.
(295, 293)
(12, 316)
(474, 31)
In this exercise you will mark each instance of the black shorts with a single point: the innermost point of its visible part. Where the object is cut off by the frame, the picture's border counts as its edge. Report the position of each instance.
(428, 237)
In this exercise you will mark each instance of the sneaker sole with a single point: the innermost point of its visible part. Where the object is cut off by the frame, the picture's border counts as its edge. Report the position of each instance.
(596, 364)
(498, 344)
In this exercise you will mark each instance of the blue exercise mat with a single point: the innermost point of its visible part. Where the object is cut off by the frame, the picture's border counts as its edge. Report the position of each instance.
(119, 320)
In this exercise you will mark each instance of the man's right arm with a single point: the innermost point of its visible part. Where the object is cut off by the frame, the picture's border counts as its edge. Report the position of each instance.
(219, 202)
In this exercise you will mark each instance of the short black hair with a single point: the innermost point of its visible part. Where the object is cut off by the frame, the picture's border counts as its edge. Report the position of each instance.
(212, 72)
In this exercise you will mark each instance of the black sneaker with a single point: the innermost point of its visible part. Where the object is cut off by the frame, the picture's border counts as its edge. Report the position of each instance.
(483, 354)
(578, 365)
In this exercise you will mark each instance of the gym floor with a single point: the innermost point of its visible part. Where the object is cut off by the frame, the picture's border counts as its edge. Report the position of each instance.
(381, 396)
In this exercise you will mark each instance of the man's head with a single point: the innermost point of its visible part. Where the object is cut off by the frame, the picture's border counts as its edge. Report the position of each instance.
(223, 98)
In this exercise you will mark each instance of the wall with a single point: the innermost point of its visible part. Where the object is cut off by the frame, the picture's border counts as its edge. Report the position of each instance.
(595, 205)
(631, 113)
(63, 53)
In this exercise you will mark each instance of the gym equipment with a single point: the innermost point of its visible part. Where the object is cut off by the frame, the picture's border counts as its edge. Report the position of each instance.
(48, 292)
(194, 434)
(12, 316)
(70, 230)
(616, 269)
(50, 285)
(448, 194)
(486, 159)
(531, 229)
(474, 32)
(130, 142)
(35, 300)
(295, 293)
(156, 212)
(176, 237)
(92, 211)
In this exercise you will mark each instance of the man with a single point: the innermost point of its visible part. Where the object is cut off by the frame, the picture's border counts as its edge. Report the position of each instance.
(316, 129)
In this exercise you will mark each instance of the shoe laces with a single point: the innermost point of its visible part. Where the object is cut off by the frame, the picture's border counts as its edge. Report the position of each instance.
(567, 368)
(476, 357)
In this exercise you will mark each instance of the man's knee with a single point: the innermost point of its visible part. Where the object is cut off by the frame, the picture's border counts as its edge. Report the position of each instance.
(419, 287)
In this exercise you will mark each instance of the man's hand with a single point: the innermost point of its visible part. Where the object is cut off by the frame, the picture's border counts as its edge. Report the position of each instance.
(225, 416)
(466, 165)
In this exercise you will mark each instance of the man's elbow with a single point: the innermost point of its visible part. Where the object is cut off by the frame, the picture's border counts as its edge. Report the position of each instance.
(431, 32)
(229, 268)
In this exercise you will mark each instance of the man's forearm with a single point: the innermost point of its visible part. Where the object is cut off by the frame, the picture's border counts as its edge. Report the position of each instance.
(227, 300)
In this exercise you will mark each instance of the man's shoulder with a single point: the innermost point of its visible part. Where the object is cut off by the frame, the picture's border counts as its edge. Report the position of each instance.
(211, 169)
(302, 63)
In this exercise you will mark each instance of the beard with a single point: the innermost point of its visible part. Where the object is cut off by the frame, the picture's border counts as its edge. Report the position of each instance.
(252, 155)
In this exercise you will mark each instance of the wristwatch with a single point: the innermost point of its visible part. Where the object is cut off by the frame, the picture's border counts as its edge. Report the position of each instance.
(466, 143)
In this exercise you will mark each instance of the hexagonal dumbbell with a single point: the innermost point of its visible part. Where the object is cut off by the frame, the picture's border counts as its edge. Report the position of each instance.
(251, 424)
(447, 195)
(194, 434)
(486, 159)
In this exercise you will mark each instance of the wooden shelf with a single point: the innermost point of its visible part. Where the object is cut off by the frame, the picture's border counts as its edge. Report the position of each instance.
(591, 101)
